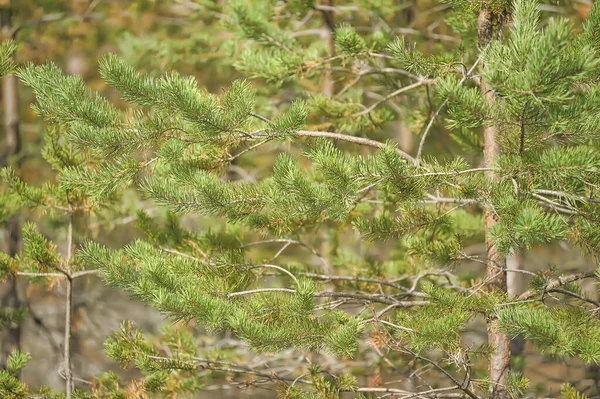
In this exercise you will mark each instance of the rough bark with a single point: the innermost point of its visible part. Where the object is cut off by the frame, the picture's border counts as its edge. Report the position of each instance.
(10, 232)
(495, 263)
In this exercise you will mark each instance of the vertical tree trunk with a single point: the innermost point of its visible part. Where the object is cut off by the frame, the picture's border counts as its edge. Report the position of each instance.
(515, 286)
(328, 88)
(10, 233)
(495, 262)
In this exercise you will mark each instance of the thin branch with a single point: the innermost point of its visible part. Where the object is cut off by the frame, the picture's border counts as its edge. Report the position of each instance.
(575, 295)
(322, 7)
(230, 367)
(441, 107)
(351, 139)
(60, 275)
(280, 269)
(210, 365)
(435, 392)
(446, 200)
(357, 280)
(428, 34)
(428, 128)
(555, 283)
(289, 241)
(456, 172)
(68, 308)
(260, 291)
(522, 135)
(447, 374)
(392, 95)
(50, 18)
(84, 273)
(372, 298)
(562, 194)
(387, 323)
(35, 274)
(555, 206)
(245, 150)
(184, 255)
(388, 300)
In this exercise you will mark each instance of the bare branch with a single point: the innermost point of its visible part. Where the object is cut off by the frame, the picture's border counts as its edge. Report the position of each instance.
(354, 279)
(392, 95)
(351, 139)
(260, 291)
(280, 269)
(290, 241)
(555, 283)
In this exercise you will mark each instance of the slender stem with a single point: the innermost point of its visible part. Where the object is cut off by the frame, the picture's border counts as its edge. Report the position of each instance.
(436, 114)
(575, 295)
(455, 172)
(67, 340)
(522, 136)
(61, 275)
(392, 95)
(84, 273)
(245, 150)
(260, 291)
(68, 309)
(555, 283)
(289, 241)
(447, 374)
(280, 269)
(351, 139)
(396, 326)
(562, 194)
(354, 279)
(33, 274)
(428, 128)
(554, 205)
(321, 7)
(386, 299)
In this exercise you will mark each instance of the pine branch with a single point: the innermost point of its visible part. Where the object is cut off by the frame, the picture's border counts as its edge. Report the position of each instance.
(270, 375)
(575, 295)
(555, 283)
(351, 139)
(357, 279)
(439, 110)
(435, 392)
(260, 291)
(377, 298)
(59, 275)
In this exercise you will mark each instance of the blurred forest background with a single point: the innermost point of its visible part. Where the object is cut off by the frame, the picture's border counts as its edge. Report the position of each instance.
(159, 36)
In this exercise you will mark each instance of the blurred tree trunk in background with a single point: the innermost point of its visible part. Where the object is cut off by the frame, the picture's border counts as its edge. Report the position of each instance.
(10, 233)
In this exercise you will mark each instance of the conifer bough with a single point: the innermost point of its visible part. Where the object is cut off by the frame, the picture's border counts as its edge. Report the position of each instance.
(334, 250)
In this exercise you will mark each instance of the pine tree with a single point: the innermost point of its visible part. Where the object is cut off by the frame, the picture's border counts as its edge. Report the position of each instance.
(520, 98)
(41, 29)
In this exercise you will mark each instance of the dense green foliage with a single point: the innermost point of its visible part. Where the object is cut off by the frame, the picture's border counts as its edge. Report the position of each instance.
(379, 234)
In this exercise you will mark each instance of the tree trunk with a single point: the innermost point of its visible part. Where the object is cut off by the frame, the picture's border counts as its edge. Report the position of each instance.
(495, 262)
(11, 232)
(328, 88)
(516, 284)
